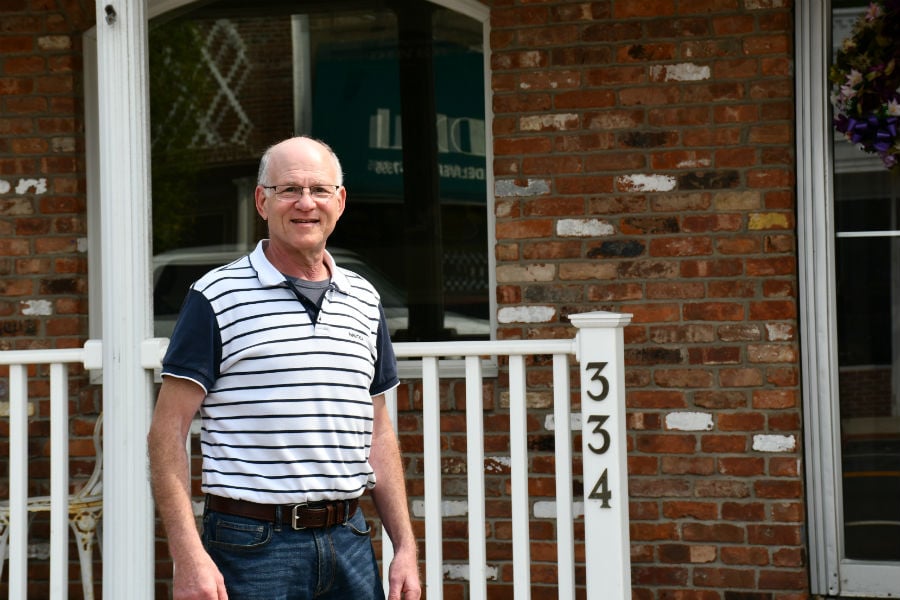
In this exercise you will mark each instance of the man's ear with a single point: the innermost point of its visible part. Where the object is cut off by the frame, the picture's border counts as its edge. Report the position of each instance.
(259, 197)
(342, 199)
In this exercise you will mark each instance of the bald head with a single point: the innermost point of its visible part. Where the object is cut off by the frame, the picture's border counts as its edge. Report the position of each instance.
(299, 145)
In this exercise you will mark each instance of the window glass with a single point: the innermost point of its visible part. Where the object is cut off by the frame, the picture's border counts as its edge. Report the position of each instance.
(867, 265)
(400, 98)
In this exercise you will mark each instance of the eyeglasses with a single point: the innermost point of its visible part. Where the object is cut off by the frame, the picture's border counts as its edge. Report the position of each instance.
(292, 193)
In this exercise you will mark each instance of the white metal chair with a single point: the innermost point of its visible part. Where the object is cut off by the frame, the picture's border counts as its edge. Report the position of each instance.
(85, 511)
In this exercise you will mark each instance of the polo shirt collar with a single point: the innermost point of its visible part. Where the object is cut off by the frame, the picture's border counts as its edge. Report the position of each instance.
(269, 276)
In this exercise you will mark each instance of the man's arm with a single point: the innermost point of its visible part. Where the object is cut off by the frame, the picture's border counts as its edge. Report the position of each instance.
(389, 495)
(195, 575)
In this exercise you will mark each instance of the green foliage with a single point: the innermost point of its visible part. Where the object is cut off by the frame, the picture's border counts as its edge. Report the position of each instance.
(181, 89)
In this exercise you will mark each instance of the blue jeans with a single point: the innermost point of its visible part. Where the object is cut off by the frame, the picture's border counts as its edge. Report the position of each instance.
(265, 561)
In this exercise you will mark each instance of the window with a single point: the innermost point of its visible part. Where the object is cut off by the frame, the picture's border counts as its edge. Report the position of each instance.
(399, 95)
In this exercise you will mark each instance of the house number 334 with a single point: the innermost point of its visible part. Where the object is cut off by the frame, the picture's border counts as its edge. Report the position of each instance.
(600, 439)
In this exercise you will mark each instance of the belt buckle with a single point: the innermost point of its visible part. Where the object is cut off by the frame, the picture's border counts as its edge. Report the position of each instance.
(294, 516)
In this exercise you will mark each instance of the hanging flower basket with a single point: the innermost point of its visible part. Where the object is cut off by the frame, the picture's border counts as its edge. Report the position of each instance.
(866, 78)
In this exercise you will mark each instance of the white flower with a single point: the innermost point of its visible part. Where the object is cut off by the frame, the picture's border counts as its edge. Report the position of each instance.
(854, 78)
(893, 108)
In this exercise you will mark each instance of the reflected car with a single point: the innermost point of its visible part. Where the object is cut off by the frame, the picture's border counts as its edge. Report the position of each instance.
(174, 272)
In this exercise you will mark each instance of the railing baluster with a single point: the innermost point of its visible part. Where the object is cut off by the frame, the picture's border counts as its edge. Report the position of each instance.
(518, 454)
(475, 470)
(59, 480)
(387, 548)
(431, 429)
(18, 481)
(565, 534)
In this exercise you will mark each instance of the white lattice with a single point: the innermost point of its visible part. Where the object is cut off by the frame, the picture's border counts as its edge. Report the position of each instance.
(224, 54)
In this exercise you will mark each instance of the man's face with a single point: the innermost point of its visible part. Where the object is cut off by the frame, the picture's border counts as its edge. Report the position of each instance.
(302, 224)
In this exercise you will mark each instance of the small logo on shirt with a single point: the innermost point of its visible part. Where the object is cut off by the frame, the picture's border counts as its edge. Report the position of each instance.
(356, 336)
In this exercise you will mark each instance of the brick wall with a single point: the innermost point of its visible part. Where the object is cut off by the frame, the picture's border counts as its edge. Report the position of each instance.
(43, 228)
(644, 164)
(43, 269)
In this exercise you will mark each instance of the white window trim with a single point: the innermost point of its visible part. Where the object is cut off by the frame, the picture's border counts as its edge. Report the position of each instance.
(830, 572)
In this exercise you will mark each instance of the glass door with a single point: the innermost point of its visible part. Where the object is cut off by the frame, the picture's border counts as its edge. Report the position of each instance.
(866, 217)
(867, 259)
(848, 233)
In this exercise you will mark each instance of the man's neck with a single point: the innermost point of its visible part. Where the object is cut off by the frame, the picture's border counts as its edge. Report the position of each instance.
(311, 267)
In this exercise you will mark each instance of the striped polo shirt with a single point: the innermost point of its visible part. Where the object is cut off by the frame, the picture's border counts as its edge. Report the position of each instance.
(288, 412)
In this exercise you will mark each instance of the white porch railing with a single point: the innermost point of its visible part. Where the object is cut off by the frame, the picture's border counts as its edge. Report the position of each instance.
(598, 350)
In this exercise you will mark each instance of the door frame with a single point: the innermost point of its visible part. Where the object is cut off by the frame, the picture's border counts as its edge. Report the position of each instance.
(830, 572)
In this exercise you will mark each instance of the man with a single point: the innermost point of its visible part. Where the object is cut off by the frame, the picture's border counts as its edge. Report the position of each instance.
(287, 357)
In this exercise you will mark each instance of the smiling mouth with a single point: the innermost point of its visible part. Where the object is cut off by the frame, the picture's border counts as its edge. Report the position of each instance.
(304, 221)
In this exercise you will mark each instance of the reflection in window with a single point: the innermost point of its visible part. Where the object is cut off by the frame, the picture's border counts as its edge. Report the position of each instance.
(398, 94)
(867, 265)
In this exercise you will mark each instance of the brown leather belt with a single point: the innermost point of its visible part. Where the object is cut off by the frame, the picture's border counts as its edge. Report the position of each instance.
(296, 516)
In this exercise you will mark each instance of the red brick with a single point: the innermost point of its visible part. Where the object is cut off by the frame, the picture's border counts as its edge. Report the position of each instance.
(775, 399)
(714, 311)
(538, 165)
(740, 422)
(24, 65)
(10, 86)
(684, 444)
(714, 443)
(748, 466)
(656, 399)
(720, 532)
(740, 377)
(649, 8)
(778, 489)
(690, 378)
(687, 465)
(683, 509)
(743, 555)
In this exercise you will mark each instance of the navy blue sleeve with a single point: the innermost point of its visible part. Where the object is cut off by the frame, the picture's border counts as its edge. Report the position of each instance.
(386, 362)
(195, 348)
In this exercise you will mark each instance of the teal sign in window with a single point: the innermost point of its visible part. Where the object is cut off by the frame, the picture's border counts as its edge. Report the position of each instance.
(356, 104)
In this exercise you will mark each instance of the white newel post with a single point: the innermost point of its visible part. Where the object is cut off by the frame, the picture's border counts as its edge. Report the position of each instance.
(128, 563)
(600, 355)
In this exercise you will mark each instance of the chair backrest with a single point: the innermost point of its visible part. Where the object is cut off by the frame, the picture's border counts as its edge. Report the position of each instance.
(94, 485)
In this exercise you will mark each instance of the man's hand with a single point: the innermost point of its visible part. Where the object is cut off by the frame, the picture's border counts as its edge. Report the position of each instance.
(199, 581)
(404, 577)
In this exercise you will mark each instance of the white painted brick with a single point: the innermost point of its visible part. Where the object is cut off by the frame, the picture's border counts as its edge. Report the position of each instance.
(546, 509)
(449, 508)
(39, 185)
(574, 422)
(37, 307)
(583, 228)
(526, 314)
(680, 72)
(774, 443)
(4, 186)
(646, 183)
(495, 464)
(504, 188)
(689, 421)
(779, 332)
(561, 122)
(461, 572)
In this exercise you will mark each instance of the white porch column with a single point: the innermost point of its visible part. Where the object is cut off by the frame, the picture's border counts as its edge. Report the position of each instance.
(600, 355)
(125, 230)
